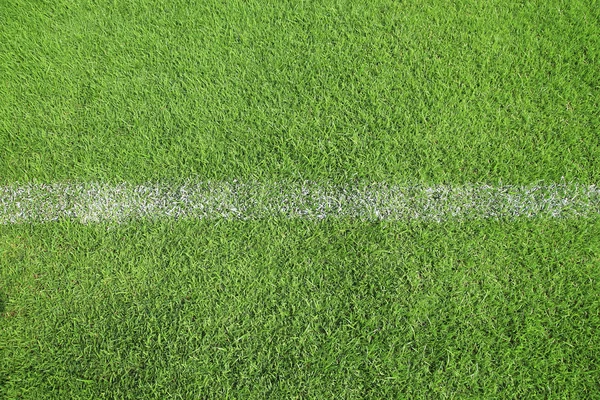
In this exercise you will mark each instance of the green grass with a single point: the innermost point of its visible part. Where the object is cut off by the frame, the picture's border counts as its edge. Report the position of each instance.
(398, 92)
(302, 309)
(429, 91)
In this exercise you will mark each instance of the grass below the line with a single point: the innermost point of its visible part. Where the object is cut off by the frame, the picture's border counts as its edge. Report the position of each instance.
(300, 308)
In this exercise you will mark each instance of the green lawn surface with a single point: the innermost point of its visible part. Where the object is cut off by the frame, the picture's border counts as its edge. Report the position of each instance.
(428, 91)
(300, 309)
(399, 92)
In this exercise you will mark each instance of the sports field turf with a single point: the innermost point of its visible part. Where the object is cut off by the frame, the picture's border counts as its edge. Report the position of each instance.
(279, 94)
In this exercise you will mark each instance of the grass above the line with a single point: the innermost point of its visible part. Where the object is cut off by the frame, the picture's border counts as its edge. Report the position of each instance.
(298, 308)
(428, 92)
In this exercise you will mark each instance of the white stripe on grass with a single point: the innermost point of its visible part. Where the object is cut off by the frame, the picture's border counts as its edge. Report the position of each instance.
(99, 202)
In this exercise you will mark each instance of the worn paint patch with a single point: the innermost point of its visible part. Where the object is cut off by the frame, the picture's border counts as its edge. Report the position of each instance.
(100, 202)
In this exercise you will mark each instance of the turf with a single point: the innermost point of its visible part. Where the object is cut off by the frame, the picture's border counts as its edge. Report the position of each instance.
(428, 91)
(301, 310)
(334, 92)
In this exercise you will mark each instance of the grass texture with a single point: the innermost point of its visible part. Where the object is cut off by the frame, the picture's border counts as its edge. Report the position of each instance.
(298, 309)
(424, 91)
(345, 92)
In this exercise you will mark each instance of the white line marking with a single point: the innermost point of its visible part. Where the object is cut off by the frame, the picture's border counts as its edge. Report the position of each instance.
(98, 202)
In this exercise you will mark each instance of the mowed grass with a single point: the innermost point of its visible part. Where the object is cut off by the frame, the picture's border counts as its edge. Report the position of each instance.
(399, 92)
(429, 91)
(300, 309)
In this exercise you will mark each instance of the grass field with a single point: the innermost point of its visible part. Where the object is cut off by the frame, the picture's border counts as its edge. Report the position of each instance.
(412, 94)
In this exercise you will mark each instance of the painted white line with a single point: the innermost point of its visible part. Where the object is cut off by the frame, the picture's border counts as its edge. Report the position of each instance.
(98, 202)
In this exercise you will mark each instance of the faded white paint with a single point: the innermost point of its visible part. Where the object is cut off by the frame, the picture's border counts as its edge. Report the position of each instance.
(99, 202)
